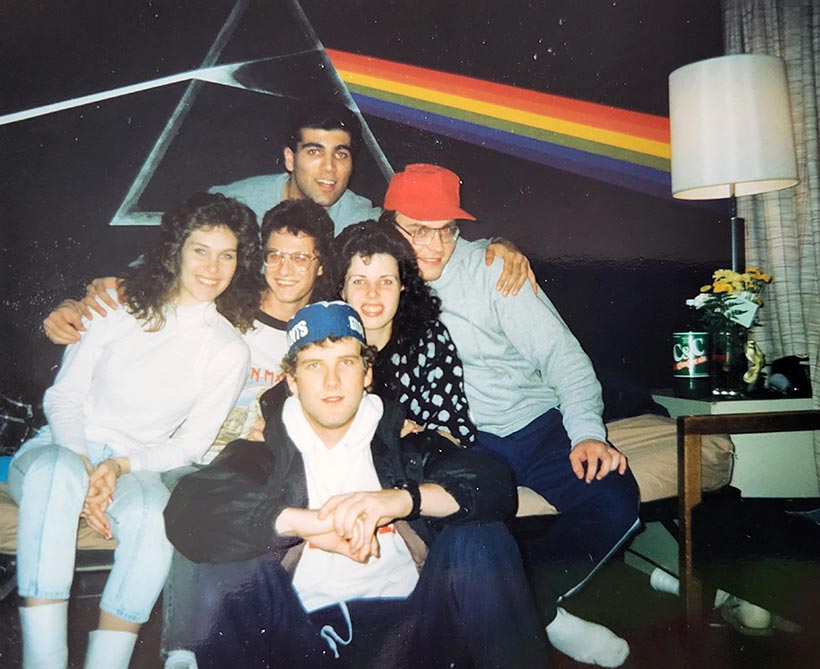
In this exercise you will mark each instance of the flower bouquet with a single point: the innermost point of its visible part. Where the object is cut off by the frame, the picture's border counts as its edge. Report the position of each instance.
(731, 298)
(728, 309)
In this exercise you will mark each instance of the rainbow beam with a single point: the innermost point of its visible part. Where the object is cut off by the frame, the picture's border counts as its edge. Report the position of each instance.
(617, 146)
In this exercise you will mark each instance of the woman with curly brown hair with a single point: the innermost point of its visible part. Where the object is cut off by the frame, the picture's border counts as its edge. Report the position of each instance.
(417, 364)
(144, 391)
(150, 286)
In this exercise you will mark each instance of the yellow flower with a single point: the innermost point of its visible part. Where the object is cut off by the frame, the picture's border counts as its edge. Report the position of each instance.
(719, 300)
(722, 286)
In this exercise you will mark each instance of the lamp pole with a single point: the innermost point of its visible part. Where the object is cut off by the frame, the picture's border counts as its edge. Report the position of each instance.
(738, 236)
(731, 133)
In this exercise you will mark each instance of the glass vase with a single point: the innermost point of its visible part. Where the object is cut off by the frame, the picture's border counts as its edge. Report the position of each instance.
(729, 362)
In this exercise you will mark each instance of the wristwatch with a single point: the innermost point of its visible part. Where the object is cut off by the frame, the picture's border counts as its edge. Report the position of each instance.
(413, 488)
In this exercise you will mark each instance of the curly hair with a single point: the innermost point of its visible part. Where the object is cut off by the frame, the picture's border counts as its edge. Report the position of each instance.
(310, 219)
(418, 307)
(149, 287)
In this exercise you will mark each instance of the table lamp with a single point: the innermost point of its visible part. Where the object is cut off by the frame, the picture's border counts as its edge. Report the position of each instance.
(731, 133)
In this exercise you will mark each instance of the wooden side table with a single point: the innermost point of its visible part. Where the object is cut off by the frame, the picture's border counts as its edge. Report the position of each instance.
(760, 470)
(690, 433)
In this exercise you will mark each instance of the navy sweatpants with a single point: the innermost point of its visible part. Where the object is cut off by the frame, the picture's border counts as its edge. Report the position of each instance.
(595, 518)
(472, 607)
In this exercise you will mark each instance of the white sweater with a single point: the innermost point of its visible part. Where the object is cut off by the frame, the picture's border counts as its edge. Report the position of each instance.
(157, 398)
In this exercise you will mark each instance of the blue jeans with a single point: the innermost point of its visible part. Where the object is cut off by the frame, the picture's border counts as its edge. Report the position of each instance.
(472, 606)
(595, 518)
(180, 595)
(49, 484)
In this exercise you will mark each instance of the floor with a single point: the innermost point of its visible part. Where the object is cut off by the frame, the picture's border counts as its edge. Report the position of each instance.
(620, 597)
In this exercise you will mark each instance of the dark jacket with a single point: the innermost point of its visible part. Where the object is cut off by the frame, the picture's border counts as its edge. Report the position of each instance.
(226, 512)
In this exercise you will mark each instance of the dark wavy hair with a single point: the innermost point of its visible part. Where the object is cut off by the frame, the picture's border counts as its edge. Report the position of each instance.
(418, 307)
(324, 116)
(310, 219)
(149, 287)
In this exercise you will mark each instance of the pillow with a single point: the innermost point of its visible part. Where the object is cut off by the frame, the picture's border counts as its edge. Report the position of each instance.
(650, 442)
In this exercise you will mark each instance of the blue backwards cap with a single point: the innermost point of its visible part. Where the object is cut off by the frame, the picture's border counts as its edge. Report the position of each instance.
(320, 320)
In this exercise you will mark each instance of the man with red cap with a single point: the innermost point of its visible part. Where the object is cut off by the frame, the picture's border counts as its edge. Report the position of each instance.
(536, 402)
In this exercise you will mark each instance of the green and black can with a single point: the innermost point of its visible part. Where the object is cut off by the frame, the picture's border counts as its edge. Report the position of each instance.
(691, 352)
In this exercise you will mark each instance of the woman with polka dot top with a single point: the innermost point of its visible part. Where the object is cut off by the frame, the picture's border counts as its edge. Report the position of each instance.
(417, 364)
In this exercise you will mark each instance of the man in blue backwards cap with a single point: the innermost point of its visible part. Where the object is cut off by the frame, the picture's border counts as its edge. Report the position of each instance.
(314, 537)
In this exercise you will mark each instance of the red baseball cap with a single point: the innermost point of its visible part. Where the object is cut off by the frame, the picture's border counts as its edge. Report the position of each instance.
(426, 193)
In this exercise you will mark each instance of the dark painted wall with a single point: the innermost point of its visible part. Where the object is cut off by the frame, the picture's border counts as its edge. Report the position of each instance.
(617, 263)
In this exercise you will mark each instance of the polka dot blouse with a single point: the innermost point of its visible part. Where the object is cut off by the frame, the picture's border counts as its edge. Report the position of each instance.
(428, 380)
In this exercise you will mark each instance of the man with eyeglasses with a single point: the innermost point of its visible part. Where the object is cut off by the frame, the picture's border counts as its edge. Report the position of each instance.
(296, 238)
(536, 402)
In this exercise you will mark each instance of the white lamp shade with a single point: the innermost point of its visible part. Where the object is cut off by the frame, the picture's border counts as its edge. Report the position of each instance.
(731, 128)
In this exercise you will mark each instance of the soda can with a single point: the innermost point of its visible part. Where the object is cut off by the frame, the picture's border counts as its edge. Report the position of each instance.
(691, 353)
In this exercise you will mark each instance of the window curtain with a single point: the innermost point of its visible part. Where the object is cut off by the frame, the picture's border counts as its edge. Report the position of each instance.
(783, 228)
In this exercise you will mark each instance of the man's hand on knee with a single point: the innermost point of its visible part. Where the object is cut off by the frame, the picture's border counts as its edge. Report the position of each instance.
(600, 459)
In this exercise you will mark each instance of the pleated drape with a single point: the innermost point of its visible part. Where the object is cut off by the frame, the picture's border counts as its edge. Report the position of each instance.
(783, 228)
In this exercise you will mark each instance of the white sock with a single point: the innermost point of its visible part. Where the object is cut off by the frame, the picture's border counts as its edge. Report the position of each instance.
(108, 649)
(586, 642)
(181, 659)
(44, 631)
(663, 581)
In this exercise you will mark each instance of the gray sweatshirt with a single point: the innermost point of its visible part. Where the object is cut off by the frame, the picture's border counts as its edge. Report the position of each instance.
(265, 191)
(520, 359)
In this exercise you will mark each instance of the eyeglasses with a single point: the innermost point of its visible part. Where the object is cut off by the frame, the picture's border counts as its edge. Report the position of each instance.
(423, 235)
(301, 261)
